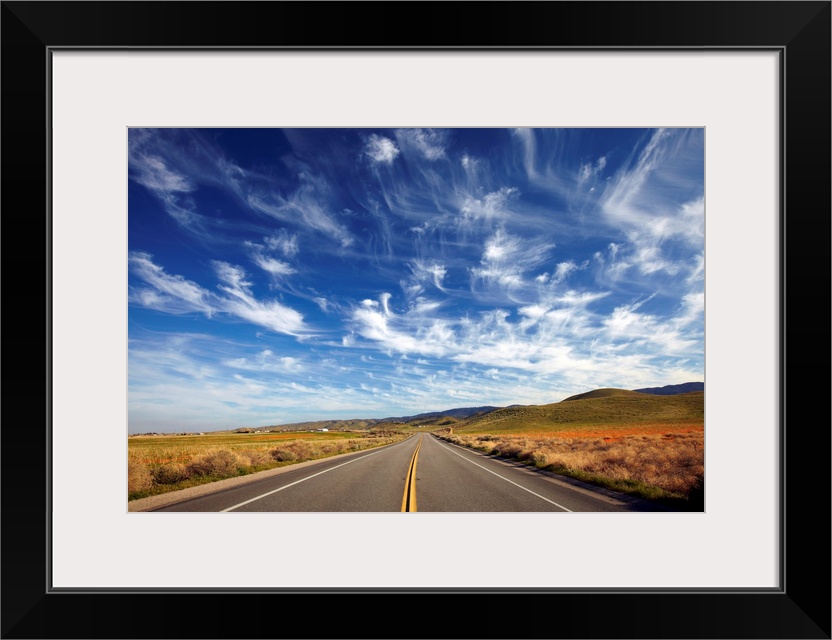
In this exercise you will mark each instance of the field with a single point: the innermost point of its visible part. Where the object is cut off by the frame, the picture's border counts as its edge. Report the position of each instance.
(159, 464)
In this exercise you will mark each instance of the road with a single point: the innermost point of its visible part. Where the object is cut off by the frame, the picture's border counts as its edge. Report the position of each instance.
(422, 473)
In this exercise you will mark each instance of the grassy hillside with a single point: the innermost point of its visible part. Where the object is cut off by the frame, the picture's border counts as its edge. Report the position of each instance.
(604, 393)
(602, 407)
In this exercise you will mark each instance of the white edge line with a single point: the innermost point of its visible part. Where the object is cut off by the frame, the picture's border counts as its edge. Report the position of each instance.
(236, 506)
(503, 478)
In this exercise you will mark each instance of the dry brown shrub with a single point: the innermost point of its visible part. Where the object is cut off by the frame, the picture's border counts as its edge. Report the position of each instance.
(508, 449)
(303, 450)
(357, 445)
(170, 473)
(256, 457)
(541, 458)
(221, 463)
(284, 455)
(526, 453)
(138, 477)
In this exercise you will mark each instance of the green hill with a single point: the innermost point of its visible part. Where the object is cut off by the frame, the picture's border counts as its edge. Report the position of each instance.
(609, 407)
(603, 393)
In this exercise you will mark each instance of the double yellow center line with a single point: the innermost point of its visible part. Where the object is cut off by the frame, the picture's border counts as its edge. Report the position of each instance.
(409, 497)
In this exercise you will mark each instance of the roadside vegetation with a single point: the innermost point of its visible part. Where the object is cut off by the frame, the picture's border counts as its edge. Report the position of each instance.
(652, 447)
(667, 468)
(159, 464)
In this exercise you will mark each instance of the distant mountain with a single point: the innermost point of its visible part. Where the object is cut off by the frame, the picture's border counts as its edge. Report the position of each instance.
(330, 425)
(673, 389)
(447, 417)
(460, 413)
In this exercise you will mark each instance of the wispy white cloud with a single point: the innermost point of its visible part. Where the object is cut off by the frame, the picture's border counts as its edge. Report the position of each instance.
(562, 271)
(506, 258)
(241, 303)
(528, 146)
(167, 185)
(590, 170)
(413, 332)
(697, 269)
(266, 362)
(424, 273)
(492, 206)
(612, 265)
(626, 324)
(152, 172)
(692, 309)
(429, 143)
(624, 200)
(642, 201)
(175, 294)
(690, 223)
(385, 302)
(284, 243)
(276, 268)
(380, 149)
(157, 164)
(305, 207)
(169, 293)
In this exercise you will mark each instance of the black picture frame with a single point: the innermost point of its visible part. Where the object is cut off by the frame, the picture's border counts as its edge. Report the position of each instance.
(799, 31)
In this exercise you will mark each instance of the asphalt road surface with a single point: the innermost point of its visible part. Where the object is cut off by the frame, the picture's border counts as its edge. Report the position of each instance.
(422, 473)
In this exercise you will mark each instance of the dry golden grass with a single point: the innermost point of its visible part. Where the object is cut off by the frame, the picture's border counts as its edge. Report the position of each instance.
(139, 477)
(637, 459)
(161, 464)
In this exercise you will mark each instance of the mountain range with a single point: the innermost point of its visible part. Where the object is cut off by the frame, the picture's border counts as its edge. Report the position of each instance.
(469, 414)
(673, 389)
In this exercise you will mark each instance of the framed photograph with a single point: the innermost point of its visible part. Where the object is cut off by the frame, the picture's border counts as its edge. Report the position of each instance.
(374, 316)
(184, 111)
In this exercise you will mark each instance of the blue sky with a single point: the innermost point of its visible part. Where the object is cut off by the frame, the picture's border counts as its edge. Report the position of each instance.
(284, 275)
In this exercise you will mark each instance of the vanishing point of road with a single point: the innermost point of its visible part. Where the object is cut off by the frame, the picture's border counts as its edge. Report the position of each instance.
(421, 473)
